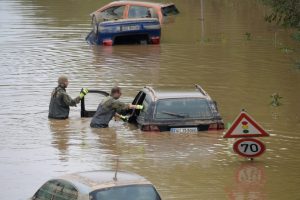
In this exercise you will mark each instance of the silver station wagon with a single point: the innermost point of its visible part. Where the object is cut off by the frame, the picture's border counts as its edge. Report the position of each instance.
(98, 185)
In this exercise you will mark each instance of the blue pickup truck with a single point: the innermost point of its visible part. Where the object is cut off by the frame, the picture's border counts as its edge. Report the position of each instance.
(125, 31)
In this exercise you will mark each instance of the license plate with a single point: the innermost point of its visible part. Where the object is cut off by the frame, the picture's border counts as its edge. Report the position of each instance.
(184, 130)
(130, 28)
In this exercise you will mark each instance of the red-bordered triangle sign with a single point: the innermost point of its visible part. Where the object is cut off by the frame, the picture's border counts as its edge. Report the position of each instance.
(245, 126)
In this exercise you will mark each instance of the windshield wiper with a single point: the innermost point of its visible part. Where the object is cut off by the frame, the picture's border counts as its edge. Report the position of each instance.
(174, 114)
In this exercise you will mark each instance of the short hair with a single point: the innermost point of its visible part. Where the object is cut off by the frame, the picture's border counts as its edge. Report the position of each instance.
(115, 90)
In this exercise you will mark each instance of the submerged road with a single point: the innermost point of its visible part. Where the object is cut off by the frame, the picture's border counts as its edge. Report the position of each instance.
(40, 40)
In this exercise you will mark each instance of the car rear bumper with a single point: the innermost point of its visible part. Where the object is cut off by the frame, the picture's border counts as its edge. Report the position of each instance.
(203, 126)
(139, 29)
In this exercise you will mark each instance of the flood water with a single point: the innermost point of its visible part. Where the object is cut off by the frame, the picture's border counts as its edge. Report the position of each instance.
(40, 40)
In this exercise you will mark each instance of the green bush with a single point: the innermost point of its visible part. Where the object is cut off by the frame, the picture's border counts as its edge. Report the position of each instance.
(284, 12)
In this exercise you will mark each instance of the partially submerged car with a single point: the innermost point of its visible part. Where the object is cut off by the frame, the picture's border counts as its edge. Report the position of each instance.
(98, 185)
(134, 9)
(129, 22)
(126, 31)
(177, 112)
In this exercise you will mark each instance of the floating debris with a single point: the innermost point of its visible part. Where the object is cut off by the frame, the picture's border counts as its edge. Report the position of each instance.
(276, 100)
(248, 36)
(287, 50)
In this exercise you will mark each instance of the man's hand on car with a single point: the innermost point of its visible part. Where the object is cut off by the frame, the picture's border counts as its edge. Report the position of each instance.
(138, 107)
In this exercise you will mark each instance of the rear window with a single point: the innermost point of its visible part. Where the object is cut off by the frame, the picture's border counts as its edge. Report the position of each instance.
(132, 192)
(183, 108)
(170, 10)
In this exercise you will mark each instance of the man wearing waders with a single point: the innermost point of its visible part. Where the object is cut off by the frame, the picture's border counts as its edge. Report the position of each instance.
(60, 102)
(110, 107)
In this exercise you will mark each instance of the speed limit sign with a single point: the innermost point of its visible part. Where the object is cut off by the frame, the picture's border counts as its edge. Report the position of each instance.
(249, 147)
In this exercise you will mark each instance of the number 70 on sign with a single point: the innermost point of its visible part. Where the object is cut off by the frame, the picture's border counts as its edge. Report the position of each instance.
(249, 147)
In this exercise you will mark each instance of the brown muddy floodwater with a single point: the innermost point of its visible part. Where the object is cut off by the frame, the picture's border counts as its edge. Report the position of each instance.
(39, 40)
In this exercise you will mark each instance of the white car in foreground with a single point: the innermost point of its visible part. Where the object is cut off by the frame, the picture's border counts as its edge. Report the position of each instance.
(98, 185)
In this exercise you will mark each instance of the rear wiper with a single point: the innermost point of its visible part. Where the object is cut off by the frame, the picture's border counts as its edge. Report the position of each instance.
(174, 114)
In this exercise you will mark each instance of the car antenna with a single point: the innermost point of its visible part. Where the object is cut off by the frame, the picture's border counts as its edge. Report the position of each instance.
(116, 172)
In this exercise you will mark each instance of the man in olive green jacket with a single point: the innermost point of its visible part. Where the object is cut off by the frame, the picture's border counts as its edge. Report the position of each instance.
(60, 102)
(110, 107)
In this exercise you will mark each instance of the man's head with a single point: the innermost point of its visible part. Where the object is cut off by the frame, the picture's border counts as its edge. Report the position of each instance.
(63, 81)
(116, 92)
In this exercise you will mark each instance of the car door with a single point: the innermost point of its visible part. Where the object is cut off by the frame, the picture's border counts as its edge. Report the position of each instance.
(143, 114)
(90, 102)
(138, 100)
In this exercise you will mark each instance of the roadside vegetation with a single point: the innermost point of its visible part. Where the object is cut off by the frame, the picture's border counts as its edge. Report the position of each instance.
(284, 12)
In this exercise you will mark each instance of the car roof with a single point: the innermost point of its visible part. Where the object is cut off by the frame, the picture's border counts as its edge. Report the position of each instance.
(178, 94)
(93, 180)
(137, 3)
(166, 94)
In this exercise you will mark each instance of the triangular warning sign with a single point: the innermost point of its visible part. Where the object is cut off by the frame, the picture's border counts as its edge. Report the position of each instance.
(245, 126)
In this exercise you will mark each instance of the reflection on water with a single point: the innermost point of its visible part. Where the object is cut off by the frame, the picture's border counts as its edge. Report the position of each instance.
(208, 44)
(249, 182)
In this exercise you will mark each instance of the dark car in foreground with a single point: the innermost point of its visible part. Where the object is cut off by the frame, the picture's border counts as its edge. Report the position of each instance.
(98, 185)
(177, 112)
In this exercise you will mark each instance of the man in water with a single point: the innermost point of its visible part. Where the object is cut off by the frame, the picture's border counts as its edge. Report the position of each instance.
(110, 107)
(60, 102)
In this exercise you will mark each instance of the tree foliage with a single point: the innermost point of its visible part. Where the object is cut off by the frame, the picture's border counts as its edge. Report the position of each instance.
(284, 12)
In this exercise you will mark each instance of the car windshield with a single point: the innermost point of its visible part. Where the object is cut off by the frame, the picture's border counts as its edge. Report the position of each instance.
(132, 192)
(170, 10)
(183, 108)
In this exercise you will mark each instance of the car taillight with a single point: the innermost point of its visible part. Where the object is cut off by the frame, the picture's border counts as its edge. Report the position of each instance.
(213, 127)
(155, 40)
(216, 126)
(150, 128)
(107, 42)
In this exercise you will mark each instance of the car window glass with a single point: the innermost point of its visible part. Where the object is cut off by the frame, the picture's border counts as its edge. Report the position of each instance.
(183, 108)
(139, 12)
(65, 191)
(170, 10)
(153, 13)
(144, 111)
(146, 105)
(132, 192)
(46, 191)
(115, 12)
